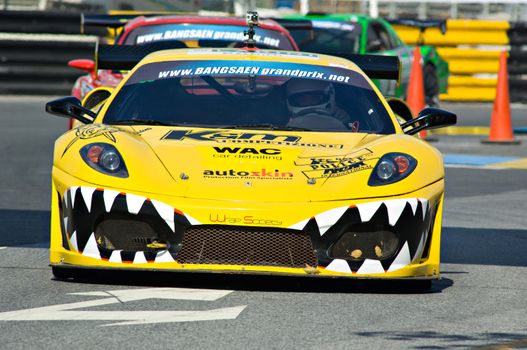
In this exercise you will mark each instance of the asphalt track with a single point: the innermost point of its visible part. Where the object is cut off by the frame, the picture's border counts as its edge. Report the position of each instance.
(480, 302)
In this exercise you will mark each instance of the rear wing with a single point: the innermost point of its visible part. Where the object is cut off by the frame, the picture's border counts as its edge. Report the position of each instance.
(421, 24)
(114, 21)
(125, 57)
(375, 66)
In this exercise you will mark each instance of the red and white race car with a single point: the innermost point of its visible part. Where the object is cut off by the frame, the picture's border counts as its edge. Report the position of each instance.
(192, 31)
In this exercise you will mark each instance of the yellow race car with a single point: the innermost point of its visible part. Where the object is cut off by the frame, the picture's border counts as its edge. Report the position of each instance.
(249, 161)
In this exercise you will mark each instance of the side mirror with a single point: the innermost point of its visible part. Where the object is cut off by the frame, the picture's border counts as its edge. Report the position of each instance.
(430, 118)
(70, 107)
(84, 65)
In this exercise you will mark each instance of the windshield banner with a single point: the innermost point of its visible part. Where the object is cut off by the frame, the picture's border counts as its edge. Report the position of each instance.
(148, 34)
(177, 69)
(333, 25)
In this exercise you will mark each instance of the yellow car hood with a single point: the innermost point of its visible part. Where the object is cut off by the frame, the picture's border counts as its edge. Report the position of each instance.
(261, 165)
(248, 165)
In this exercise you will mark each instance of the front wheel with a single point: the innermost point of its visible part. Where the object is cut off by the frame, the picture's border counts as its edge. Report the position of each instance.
(431, 86)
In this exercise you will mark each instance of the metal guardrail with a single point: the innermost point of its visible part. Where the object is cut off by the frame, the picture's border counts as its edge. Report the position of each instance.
(38, 63)
(34, 66)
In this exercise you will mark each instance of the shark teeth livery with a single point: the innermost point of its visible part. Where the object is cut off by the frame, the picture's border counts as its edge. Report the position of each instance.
(83, 208)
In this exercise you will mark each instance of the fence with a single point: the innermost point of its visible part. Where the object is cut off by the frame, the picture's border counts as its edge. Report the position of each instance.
(36, 64)
(472, 49)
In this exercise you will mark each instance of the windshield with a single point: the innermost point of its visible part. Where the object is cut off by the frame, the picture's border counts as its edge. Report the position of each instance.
(207, 35)
(250, 94)
(329, 37)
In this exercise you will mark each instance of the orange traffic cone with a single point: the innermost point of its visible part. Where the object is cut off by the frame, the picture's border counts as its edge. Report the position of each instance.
(500, 121)
(416, 89)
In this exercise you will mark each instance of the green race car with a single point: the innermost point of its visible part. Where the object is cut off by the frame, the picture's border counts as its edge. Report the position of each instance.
(361, 34)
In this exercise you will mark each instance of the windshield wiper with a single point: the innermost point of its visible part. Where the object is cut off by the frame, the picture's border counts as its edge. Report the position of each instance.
(268, 126)
(140, 121)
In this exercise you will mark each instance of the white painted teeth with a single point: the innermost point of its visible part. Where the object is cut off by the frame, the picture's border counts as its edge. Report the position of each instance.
(73, 192)
(139, 258)
(73, 241)
(370, 266)
(299, 225)
(395, 208)
(116, 257)
(402, 259)
(424, 202)
(91, 248)
(328, 218)
(367, 210)
(339, 265)
(420, 248)
(192, 220)
(164, 256)
(109, 196)
(134, 203)
(87, 193)
(166, 212)
(413, 204)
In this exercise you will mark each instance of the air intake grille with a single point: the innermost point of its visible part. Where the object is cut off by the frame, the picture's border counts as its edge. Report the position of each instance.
(240, 245)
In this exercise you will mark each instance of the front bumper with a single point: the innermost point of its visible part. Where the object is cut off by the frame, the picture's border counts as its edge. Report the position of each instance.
(414, 219)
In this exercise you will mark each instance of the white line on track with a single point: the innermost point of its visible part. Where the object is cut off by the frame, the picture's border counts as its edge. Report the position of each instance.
(3, 248)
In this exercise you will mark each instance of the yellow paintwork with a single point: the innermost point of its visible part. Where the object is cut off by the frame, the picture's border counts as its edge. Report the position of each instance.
(472, 49)
(460, 32)
(275, 202)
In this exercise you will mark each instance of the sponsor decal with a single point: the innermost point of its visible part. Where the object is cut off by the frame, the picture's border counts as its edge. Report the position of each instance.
(335, 166)
(266, 53)
(91, 131)
(220, 68)
(243, 138)
(263, 174)
(231, 33)
(245, 220)
(247, 153)
(252, 70)
(333, 25)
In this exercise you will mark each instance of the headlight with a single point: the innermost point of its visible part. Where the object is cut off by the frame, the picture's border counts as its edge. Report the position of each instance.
(105, 158)
(392, 167)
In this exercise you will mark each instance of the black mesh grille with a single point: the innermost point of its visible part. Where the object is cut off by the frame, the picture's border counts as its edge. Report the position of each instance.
(240, 245)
